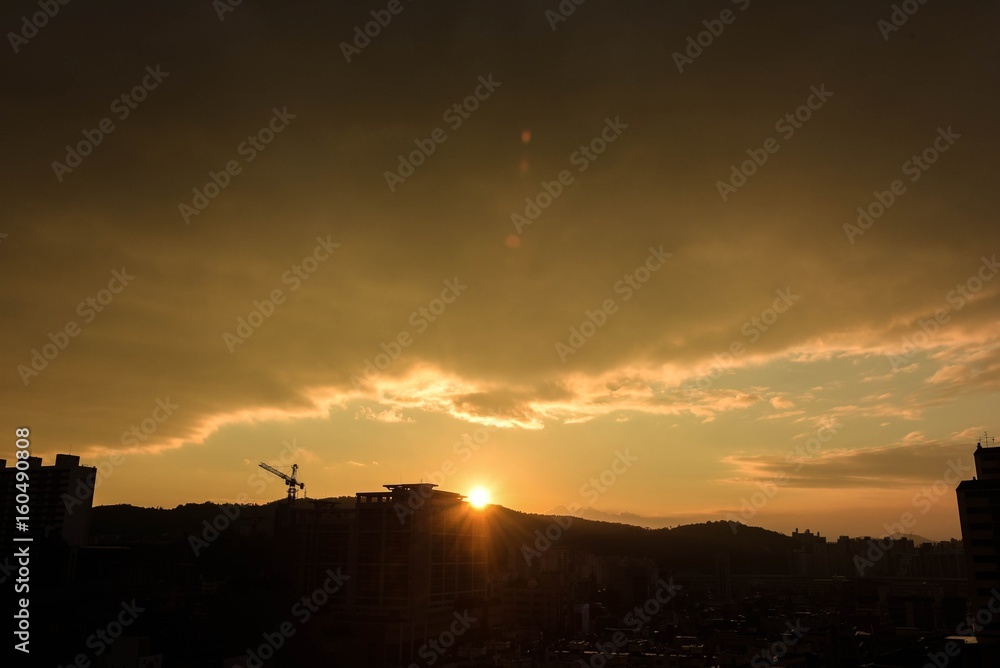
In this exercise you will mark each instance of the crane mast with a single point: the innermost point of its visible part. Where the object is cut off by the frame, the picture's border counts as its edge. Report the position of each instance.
(293, 484)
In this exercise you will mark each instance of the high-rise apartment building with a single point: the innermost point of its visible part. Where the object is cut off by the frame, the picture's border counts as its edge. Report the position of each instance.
(979, 511)
(417, 567)
(60, 498)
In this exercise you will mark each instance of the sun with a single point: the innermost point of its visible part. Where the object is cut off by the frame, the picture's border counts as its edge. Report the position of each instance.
(479, 497)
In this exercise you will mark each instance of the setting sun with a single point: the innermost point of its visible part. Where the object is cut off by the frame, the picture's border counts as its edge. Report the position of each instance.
(479, 497)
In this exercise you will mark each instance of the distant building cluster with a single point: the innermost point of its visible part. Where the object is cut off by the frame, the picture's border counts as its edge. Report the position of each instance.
(884, 556)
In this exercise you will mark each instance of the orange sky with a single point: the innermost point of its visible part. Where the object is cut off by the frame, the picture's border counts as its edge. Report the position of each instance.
(555, 241)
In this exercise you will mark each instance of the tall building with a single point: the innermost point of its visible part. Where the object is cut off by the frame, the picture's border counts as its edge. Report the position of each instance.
(60, 498)
(723, 577)
(979, 512)
(417, 575)
(310, 538)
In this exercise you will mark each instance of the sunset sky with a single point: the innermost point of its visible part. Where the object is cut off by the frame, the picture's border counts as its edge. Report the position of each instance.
(738, 316)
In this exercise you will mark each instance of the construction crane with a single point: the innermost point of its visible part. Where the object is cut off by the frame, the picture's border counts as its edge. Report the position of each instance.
(293, 484)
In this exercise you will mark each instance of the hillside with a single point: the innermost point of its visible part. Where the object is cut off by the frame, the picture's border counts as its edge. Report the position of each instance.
(689, 547)
(683, 548)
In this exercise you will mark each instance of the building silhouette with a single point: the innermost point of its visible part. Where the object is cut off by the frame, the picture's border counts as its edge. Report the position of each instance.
(309, 537)
(418, 565)
(979, 512)
(723, 577)
(60, 500)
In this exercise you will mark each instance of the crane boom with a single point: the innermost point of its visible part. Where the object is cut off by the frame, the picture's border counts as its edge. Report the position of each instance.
(293, 484)
(275, 471)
